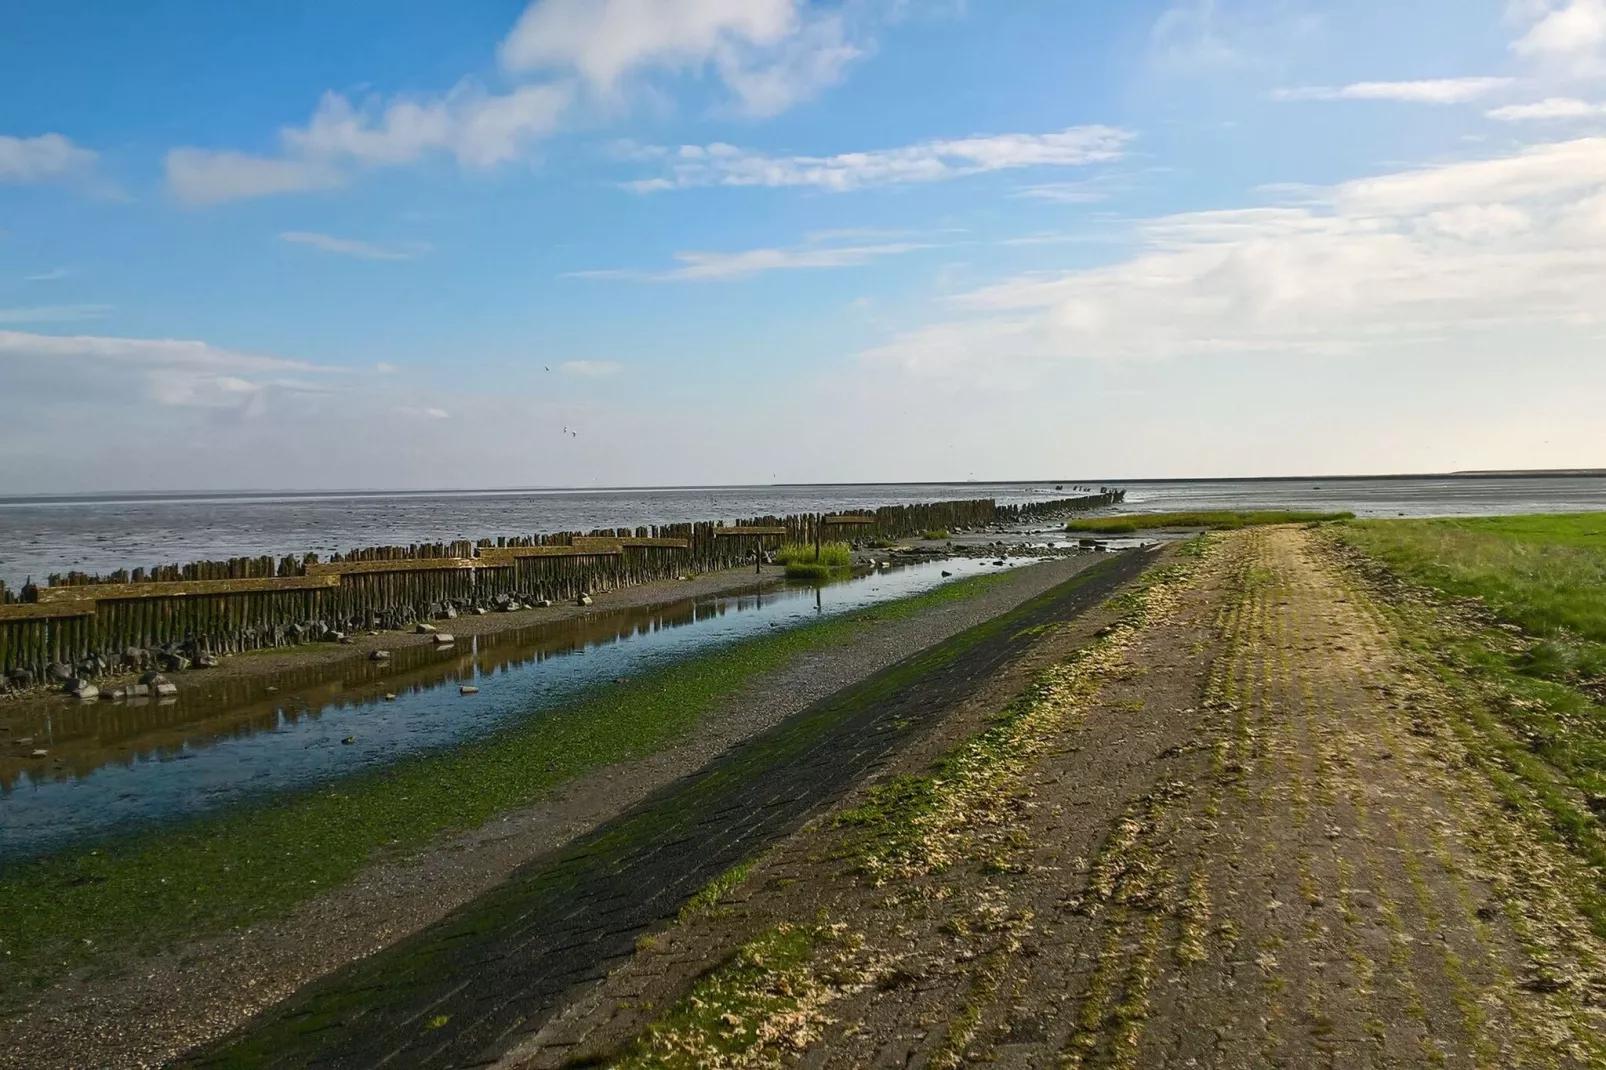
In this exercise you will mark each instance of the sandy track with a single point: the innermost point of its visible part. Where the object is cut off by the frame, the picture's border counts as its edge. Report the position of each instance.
(1244, 829)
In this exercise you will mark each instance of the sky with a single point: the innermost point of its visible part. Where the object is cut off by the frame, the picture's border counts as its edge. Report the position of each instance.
(582, 243)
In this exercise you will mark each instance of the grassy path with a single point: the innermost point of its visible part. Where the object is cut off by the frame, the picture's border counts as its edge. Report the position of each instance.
(1257, 820)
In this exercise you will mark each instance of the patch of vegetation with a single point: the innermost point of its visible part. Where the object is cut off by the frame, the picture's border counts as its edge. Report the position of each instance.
(706, 901)
(763, 1003)
(142, 891)
(935, 536)
(1213, 521)
(1513, 611)
(804, 563)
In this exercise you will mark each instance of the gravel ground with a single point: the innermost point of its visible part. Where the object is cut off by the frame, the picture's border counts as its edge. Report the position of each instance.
(155, 1008)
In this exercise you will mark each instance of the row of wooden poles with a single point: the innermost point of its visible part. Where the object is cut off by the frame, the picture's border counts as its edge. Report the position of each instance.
(152, 610)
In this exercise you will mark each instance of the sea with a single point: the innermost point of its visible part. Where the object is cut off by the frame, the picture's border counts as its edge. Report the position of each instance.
(101, 533)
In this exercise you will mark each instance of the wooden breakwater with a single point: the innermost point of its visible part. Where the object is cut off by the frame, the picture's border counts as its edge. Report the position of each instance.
(82, 625)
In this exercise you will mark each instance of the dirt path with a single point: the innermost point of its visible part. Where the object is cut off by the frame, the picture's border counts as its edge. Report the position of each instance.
(1240, 829)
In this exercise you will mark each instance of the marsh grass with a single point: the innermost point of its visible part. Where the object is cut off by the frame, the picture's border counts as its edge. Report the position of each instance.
(802, 563)
(1213, 521)
(1531, 640)
(935, 536)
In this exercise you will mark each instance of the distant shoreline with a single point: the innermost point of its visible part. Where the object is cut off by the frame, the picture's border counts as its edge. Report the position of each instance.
(103, 497)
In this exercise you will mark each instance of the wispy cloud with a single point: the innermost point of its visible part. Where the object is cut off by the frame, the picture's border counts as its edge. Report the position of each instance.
(1444, 251)
(46, 158)
(929, 161)
(769, 53)
(48, 276)
(169, 371)
(739, 265)
(591, 369)
(1429, 91)
(1567, 36)
(349, 247)
(54, 313)
(1552, 108)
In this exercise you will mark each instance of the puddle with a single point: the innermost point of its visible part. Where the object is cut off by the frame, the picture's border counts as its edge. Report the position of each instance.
(123, 764)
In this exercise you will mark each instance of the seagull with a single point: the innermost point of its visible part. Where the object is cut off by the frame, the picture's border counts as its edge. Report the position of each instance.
(544, 366)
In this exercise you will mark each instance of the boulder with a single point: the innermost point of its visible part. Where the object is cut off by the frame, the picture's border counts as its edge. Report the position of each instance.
(174, 662)
(135, 658)
(58, 672)
(583, 600)
(116, 694)
(206, 661)
(152, 678)
(468, 689)
(446, 613)
(140, 690)
(379, 655)
(20, 678)
(423, 629)
(441, 638)
(164, 690)
(82, 689)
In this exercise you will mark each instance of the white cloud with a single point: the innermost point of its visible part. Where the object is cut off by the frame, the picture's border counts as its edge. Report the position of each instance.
(591, 369)
(1430, 91)
(201, 176)
(770, 53)
(930, 161)
(170, 372)
(53, 313)
(1201, 36)
(1569, 35)
(1438, 252)
(53, 275)
(46, 158)
(480, 130)
(386, 369)
(1549, 108)
(741, 265)
(348, 247)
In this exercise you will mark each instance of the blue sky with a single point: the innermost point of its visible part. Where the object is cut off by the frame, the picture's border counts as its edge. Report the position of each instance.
(603, 242)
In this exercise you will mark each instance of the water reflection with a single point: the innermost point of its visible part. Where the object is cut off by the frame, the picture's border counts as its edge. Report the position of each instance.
(127, 763)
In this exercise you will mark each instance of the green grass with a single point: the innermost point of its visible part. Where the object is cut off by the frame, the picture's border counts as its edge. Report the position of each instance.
(935, 536)
(1546, 574)
(1214, 521)
(802, 563)
(149, 889)
(706, 901)
(1529, 660)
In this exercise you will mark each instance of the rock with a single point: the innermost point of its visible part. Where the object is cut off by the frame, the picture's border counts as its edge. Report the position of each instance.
(390, 696)
(138, 690)
(423, 629)
(174, 662)
(344, 640)
(448, 613)
(583, 600)
(468, 689)
(545, 603)
(116, 694)
(165, 690)
(20, 678)
(479, 611)
(82, 689)
(946, 574)
(441, 639)
(379, 655)
(206, 661)
(134, 657)
(271, 690)
(39, 752)
(349, 740)
(58, 672)
(152, 677)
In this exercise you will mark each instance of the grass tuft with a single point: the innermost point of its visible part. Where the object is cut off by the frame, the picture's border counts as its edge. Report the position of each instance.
(802, 563)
